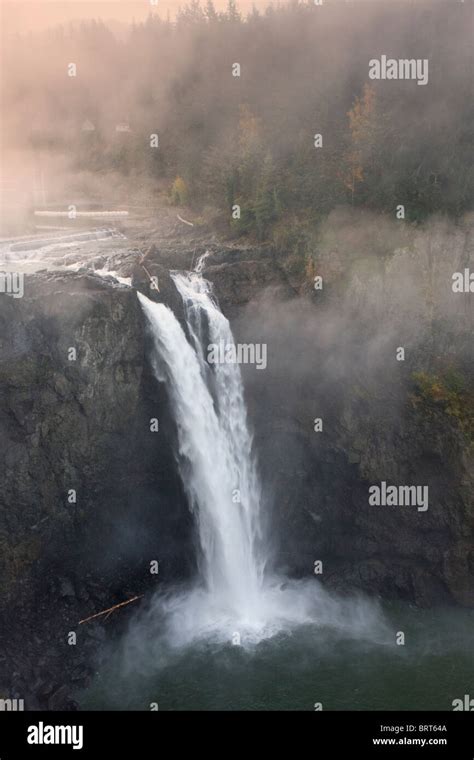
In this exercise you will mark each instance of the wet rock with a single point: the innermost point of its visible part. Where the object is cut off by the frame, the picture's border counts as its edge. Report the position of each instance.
(97, 632)
(66, 589)
(59, 699)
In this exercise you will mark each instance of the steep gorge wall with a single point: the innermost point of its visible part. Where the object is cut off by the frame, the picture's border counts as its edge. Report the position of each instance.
(84, 425)
(332, 354)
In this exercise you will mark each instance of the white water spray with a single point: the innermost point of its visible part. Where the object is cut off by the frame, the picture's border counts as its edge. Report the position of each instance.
(214, 446)
(219, 474)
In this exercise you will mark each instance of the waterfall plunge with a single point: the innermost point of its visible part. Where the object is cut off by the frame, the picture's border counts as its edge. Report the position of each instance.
(223, 488)
(214, 445)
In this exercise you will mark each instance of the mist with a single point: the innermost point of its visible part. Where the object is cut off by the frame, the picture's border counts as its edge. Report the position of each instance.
(85, 133)
(291, 183)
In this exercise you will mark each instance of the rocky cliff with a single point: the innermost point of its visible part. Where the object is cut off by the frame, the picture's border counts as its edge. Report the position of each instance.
(90, 495)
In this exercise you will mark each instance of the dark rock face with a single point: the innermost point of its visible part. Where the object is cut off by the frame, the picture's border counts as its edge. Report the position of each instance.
(332, 355)
(318, 487)
(77, 400)
(59, 416)
(237, 283)
(77, 393)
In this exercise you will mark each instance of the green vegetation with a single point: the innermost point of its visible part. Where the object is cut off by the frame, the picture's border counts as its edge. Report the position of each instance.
(449, 392)
(180, 192)
(251, 140)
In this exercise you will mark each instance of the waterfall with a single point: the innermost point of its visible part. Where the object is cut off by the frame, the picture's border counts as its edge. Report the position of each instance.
(215, 446)
(234, 599)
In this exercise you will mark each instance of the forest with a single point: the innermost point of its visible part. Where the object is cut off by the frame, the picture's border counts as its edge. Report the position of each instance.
(260, 124)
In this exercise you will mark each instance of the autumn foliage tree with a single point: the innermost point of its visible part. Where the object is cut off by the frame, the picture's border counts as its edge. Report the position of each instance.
(249, 139)
(361, 128)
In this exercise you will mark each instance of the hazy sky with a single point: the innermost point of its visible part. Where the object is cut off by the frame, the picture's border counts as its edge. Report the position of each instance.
(33, 15)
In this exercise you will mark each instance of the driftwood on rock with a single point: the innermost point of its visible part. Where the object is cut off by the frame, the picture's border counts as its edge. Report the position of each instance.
(109, 611)
(184, 220)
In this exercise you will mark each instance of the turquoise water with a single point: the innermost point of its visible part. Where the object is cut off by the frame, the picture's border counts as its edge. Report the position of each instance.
(296, 669)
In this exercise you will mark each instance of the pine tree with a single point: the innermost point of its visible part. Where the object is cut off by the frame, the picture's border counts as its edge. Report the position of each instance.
(266, 201)
(210, 12)
(232, 13)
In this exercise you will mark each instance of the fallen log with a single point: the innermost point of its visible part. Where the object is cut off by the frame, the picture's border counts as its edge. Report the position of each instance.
(184, 220)
(110, 610)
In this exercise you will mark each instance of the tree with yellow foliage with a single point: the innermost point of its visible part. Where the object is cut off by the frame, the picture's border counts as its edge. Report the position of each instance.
(180, 192)
(361, 118)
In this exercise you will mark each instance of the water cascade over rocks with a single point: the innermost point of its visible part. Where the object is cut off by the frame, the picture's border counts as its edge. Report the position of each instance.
(235, 597)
